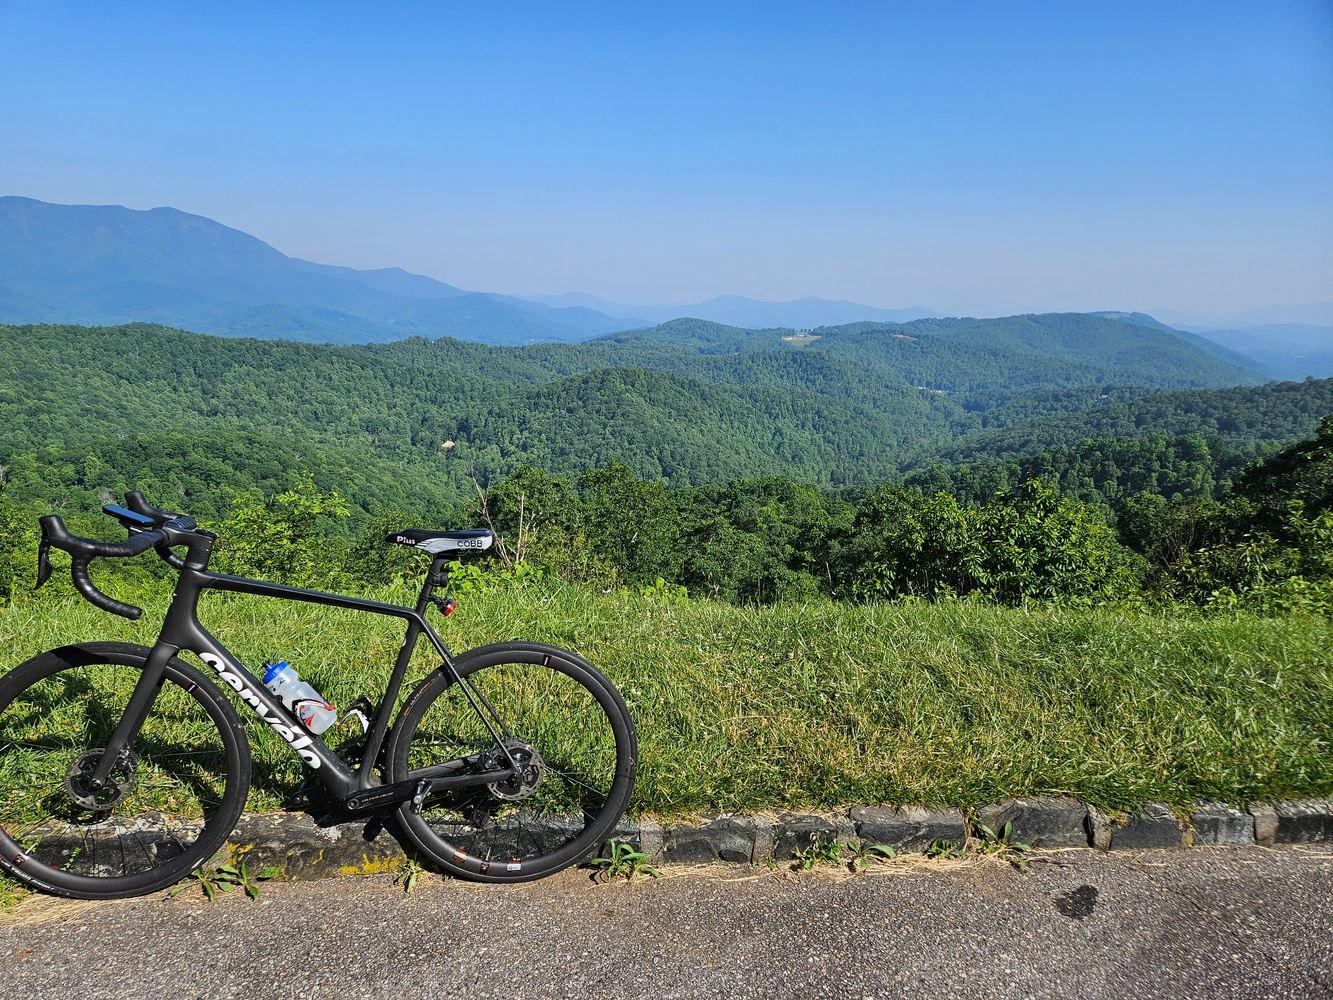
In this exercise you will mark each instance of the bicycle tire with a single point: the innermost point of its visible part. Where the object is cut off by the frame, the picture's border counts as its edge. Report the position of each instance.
(475, 833)
(37, 738)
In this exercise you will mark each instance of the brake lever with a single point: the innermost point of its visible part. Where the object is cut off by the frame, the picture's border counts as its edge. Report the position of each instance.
(43, 561)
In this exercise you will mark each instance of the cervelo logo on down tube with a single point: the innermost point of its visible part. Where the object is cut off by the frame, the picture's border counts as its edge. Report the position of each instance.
(298, 740)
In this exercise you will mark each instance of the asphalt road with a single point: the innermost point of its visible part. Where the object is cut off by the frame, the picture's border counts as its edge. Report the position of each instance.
(1226, 922)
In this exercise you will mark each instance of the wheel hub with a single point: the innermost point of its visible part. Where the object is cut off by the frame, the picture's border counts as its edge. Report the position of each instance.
(119, 782)
(530, 770)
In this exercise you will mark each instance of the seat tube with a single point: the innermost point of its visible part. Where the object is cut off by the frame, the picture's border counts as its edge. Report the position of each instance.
(435, 576)
(141, 700)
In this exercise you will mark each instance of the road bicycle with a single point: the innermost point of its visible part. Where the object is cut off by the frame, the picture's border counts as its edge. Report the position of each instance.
(123, 767)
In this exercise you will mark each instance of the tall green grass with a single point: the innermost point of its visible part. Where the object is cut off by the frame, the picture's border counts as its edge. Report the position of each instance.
(824, 704)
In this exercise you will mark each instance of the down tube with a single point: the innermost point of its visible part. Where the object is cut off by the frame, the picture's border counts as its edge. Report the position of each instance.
(328, 767)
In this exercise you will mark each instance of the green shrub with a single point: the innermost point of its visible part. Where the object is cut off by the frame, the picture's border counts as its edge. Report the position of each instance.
(1024, 544)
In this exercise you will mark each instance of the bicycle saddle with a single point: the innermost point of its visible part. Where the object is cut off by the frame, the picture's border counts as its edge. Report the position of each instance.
(435, 542)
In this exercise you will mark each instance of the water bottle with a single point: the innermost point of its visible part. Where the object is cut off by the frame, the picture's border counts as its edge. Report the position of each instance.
(306, 703)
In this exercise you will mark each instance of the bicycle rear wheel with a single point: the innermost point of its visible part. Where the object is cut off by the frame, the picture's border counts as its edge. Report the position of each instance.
(167, 807)
(561, 719)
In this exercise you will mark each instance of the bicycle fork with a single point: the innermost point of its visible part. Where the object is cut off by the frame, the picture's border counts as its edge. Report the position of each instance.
(136, 711)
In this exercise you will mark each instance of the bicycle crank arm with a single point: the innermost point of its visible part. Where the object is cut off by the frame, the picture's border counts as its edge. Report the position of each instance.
(421, 788)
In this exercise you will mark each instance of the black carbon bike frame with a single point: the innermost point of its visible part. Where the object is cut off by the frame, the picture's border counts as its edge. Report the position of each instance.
(357, 789)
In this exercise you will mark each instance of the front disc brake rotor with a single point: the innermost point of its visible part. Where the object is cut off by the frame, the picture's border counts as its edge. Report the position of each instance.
(78, 780)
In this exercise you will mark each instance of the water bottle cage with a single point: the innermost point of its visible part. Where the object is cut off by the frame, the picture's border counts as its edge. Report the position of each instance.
(360, 709)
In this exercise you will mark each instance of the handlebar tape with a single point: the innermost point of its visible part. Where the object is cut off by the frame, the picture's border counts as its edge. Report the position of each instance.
(84, 585)
(136, 502)
(85, 550)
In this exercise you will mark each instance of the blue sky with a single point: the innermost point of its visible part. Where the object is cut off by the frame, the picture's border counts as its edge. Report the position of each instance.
(978, 158)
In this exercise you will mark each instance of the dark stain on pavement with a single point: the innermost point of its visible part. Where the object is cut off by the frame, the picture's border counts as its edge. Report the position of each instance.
(1077, 903)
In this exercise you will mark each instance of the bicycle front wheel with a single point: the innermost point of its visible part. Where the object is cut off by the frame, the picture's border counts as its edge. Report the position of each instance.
(560, 719)
(168, 805)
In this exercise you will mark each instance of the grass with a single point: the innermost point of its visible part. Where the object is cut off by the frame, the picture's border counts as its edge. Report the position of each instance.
(824, 704)
(11, 893)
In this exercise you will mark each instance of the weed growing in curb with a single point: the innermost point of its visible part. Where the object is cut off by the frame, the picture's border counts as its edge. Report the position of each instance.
(408, 874)
(1001, 844)
(625, 862)
(860, 854)
(984, 841)
(856, 855)
(236, 874)
(829, 853)
(940, 848)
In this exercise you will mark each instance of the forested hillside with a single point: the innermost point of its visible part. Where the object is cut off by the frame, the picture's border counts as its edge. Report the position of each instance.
(689, 402)
(1031, 457)
(1243, 416)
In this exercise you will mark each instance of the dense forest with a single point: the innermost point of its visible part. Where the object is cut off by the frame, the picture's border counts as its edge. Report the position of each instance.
(690, 403)
(1265, 542)
(1067, 457)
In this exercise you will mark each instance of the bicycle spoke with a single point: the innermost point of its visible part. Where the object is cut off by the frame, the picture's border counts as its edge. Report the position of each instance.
(158, 800)
(565, 750)
(584, 784)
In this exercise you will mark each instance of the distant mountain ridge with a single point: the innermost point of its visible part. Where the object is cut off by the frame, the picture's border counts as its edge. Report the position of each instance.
(107, 264)
(1210, 346)
(737, 310)
(1284, 350)
(1294, 341)
(992, 357)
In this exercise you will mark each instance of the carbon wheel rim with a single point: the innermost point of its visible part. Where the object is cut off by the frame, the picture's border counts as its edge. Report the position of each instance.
(163, 816)
(575, 727)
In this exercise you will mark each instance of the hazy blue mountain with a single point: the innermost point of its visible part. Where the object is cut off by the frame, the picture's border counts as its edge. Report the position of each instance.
(107, 264)
(1285, 350)
(390, 280)
(1306, 313)
(631, 317)
(1275, 350)
(736, 310)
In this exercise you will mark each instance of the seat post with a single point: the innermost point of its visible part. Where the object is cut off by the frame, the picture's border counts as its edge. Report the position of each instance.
(436, 576)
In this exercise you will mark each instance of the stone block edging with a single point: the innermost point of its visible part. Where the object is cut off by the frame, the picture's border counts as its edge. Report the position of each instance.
(304, 848)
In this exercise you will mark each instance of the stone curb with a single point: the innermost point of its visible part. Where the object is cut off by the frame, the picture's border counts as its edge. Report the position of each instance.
(306, 848)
